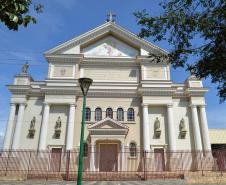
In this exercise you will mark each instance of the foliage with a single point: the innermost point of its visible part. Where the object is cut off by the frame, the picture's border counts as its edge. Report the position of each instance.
(194, 28)
(14, 13)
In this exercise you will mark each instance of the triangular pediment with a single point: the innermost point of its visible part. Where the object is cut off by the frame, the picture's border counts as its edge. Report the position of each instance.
(107, 124)
(127, 43)
(109, 47)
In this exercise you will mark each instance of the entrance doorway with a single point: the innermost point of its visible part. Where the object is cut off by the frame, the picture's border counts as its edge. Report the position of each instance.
(159, 159)
(108, 157)
(55, 159)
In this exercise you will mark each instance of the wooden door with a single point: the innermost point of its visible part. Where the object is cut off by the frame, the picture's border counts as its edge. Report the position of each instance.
(55, 159)
(108, 157)
(159, 159)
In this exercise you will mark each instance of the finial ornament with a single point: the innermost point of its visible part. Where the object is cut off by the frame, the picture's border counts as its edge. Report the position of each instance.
(25, 68)
(111, 17)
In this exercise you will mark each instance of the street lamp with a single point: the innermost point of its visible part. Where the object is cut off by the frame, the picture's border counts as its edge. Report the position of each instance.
(84, 84)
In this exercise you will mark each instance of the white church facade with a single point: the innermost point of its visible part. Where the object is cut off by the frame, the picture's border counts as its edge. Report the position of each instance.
(132, 102)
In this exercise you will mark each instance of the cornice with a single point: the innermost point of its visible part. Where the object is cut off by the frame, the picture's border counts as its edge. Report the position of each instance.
(74, 58)
(196, 91)
(112, 93)
(103, 89)
(19, 89)
(156, 91)
(60, 91)
(150, 60)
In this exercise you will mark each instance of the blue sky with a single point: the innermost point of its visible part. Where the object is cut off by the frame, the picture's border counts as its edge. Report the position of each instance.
(65, 19)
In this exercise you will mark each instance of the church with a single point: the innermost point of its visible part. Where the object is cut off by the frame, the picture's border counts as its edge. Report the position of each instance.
(132, 103)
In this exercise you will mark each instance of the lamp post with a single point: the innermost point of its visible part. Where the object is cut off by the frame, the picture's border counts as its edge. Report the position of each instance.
(84, 84)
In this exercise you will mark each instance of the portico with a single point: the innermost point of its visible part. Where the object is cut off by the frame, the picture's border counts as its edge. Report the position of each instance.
(107, 136)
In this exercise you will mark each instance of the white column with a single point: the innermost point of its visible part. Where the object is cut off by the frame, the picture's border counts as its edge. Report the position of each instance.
(196, 128)
(18, 127)
(204, 128)
(44, 128)
(171, 128)
(70, 128)
(146, 130)
(92, 157)
(9, 129)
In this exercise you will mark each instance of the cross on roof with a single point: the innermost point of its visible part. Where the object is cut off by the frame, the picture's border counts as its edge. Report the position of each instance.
(111, 17)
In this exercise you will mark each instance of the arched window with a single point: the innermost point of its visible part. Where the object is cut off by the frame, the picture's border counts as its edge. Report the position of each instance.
(85, 149)
(130, 114)
(87, 114)
(109, 113)
(120, 114)
(98, 114)
(133, 149)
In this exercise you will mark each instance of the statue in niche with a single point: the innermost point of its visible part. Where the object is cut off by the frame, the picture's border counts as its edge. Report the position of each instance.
(182, 129)
(58, 123)
(157, 128)
(25, 68)
(32, 125)
(58, 128)
(32, 128)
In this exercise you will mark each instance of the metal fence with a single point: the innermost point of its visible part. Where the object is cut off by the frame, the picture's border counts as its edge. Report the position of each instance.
(129, 164)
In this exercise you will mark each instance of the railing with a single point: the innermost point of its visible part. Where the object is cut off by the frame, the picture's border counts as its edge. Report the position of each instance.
(124, 165)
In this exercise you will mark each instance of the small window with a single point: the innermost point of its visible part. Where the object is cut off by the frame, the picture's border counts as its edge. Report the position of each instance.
(133, 149)
(109, 113)
(98, 114)
(130, 114)
(120, 114)
(85, 150)
(87, 114)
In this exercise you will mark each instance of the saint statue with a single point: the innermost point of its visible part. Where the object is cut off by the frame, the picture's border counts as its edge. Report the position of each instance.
(58, 123)
(25, 68)
(32, 125)
(157, 124)
(182, 125)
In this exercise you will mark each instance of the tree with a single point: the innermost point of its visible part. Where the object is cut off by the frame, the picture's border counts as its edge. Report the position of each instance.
(194, 28)
(15, 13)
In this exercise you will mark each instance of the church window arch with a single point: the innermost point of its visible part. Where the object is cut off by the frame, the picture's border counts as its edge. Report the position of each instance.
(130, 114)
(98, 114)
(133, 149)
(109, 113)
(120, 114)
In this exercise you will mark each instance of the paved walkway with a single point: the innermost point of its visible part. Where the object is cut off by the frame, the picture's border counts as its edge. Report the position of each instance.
(152, 182)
